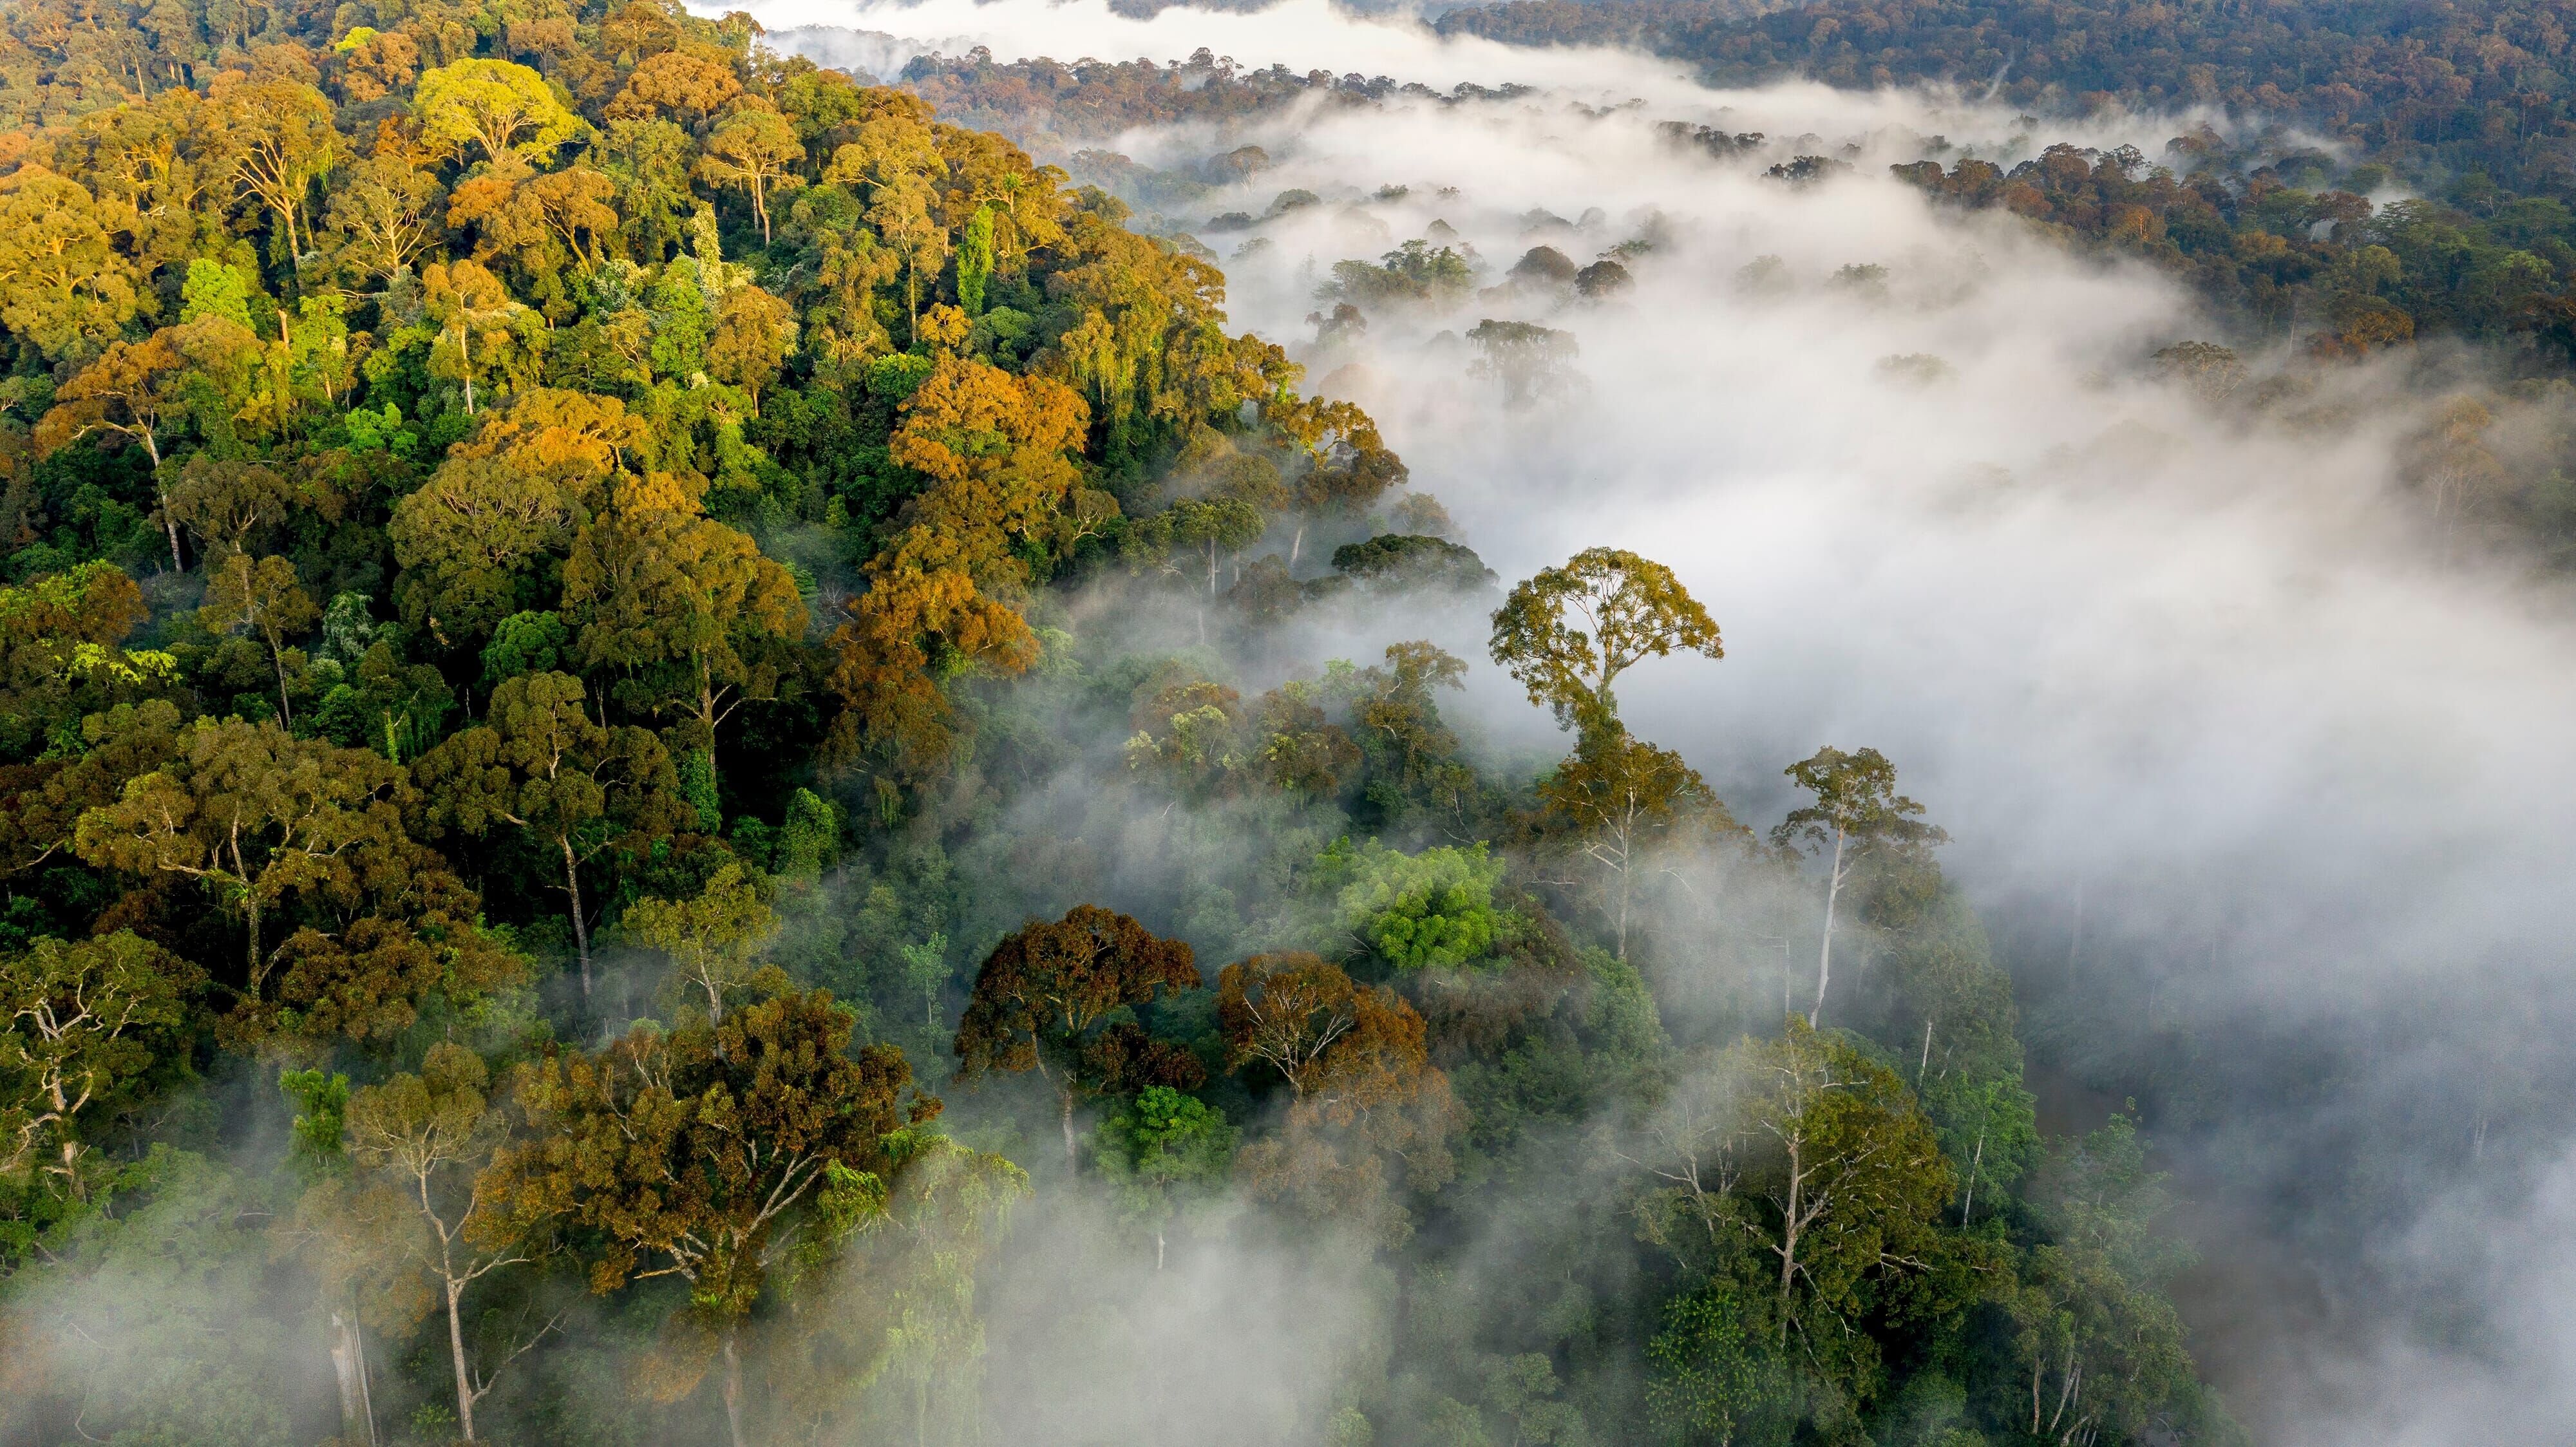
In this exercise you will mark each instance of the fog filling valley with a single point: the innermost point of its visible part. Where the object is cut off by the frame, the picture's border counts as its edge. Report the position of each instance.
(2245, 764)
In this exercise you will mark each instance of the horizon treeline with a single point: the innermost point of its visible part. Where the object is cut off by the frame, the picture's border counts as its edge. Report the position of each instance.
(647, 700)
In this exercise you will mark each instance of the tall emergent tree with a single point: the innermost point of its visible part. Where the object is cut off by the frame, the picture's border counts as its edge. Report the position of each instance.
(1567, 633)
(422, 1143)
(1858, 817)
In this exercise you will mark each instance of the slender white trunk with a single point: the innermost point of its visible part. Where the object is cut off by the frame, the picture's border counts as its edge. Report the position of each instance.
(1825, 955)
(733, 1388)
(1072, 1157)
(580, 930)
(456, 1353)
(1968, 1206)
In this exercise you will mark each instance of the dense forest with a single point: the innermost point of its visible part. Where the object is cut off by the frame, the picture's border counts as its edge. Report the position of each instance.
(651, 700)
(2281, 239)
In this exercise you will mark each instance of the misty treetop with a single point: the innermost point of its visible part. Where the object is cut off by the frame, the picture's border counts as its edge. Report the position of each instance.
(648, 744)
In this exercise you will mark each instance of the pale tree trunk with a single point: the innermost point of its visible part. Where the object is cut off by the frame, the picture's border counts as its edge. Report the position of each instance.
(1789, 1229)
(349, 1364)
(580, 930)
(465, 357)
(1968, 1206)
(169, 524)
(277, 660)
(1825, 956)
(1072, 1156)
(456, 1354)
(733, 1388)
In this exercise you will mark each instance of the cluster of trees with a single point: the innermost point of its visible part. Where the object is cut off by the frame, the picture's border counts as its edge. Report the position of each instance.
(554, 575)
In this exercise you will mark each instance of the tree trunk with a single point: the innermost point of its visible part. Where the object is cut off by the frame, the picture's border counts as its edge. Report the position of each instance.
(733, 1388)
(1968, 1206)
(1072, 1157)
(152, 449)
(1789, 1245)
(349, 1365)
(251, 955)
(580, 930)
(456, 1355)
(1825, 956)
(285, 710)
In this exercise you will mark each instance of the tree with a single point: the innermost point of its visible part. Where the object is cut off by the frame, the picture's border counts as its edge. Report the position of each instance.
(226, 503)
(133, 390)
(383, 211)
(1287, 1011)
(895, 156)
(1814, 1156)
(1858, 817)
(427, 1139)
(539, 763)
(2102, 1347)
(686, 84)
(757, 150)
(62, 659)
(1534, 363)
(1047, 986)
(262, 595)
(281, 829)
(83, 1025)
(1347, 465)
(996, 449)
(495, 105)
(1162, 1148)
(282, 141)
(716, 940)
(1618, 802)
(1624, 609)
(470, 541)
(687, 608)
(473, 310)
(64, 285)
(706, 1153)
(1359, 1069)
(754, 335)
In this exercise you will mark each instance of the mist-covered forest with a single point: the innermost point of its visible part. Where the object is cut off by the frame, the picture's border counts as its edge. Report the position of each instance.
(1647, 723)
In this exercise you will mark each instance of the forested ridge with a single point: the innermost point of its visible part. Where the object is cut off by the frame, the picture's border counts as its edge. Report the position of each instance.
(641, 716)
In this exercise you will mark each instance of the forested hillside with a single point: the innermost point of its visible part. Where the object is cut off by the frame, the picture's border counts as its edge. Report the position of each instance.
(645, 705)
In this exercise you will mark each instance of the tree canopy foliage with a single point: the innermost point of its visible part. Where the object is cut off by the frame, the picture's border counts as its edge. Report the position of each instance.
(624, 661)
